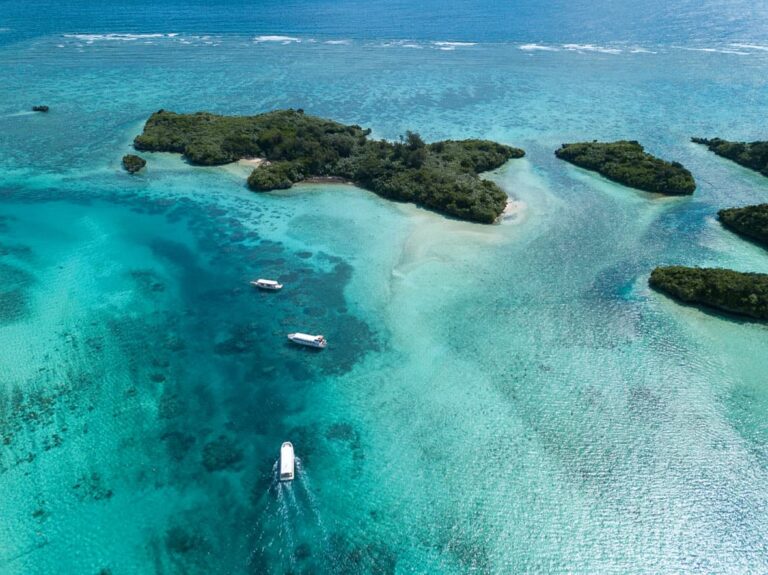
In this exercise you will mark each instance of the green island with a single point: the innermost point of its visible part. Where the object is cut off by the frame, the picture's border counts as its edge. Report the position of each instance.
(627, 163)
(752, 155)
(133, 163)
(726, 290)
(749, 221)
(442, 176)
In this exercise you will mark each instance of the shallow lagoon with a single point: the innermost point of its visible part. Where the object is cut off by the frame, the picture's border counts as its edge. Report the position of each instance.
(494, 399)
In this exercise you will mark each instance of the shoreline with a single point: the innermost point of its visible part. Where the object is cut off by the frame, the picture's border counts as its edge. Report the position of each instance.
(512, 211)
(252, 162)
(327, 180)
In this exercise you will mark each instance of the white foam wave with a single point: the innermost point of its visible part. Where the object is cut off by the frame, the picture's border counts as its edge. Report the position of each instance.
(538, 47)
(400, 44)
(338, 42)
(450, 46)
(90, 38)
(750, 47)
(277, 38)
(717, 51)
(455, 44)
(591, 48)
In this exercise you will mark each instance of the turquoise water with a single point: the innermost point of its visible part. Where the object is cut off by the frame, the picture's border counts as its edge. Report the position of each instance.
(494, 399)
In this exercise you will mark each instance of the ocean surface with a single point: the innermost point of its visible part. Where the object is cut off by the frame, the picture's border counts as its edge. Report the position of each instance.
(494, 399)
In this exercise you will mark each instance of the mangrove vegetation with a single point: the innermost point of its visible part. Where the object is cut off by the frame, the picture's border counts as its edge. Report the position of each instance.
(749, 221)
(133, 163)
(627, 163)
(442, 176)
(725, 290)
(752, 155)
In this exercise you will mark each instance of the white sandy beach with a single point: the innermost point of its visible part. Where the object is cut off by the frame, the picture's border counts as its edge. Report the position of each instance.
(251, 162)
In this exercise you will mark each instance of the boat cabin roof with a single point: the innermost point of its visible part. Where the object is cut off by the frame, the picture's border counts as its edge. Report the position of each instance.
(286, 459)
(307, 336)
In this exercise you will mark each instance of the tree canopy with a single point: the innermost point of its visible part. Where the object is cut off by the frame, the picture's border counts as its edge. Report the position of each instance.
(749, 221)
(735, 292)
(752, 155)
(627, 163)
(442, 176)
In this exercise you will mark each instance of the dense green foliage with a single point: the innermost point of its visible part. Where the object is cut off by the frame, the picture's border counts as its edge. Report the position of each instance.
(442, 176)
(627, 163)
(731, 291)
(750, 221)
(133, 163)
(753, 155)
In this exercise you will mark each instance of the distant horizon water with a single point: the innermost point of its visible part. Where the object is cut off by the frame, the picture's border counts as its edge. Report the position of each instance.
(481, 20)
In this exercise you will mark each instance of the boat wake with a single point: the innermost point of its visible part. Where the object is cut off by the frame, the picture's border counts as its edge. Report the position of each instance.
(308, 496)
(293, 510)
(300, 500)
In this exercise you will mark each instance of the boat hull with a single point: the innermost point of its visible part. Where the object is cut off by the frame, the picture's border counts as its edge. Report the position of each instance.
(267, 287)
(317, 342)
(287, 462)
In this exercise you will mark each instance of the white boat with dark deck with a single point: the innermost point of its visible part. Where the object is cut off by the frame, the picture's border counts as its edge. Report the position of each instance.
(271, 285)
(287, 461)
(308, 340)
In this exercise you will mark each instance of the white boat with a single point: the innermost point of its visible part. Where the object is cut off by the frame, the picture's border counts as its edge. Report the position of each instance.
(308, 340)
(267, 284)
(287, 461)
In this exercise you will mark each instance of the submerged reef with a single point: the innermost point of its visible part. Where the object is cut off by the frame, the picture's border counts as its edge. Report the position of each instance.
(749, 221)
(15, 302)
(442, 176)
(133, 163)
(221, 453)
(752, 155)
(180, 540)
(91, 487)
(178, 444)
(727, 290)
(627, 163)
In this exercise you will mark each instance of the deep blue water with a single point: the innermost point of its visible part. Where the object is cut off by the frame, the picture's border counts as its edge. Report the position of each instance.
(494, 399)
(477, 20)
